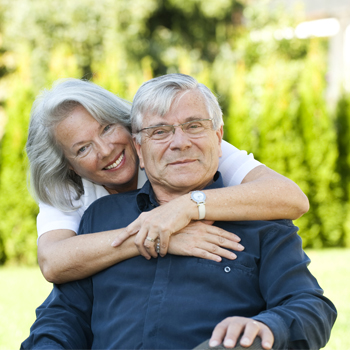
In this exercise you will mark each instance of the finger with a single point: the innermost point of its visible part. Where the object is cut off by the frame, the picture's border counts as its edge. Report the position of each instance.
(164, 242)
(149, 242)
(267, 338)
(251, 330)
(226, 332)
(218, 334)
(212, 251)
(234, 330)
(122, 237)
(217, 241)
(150, 247)
(222, 233)
(130, 230)
(204, 254)
(134, 226)
(139, 242)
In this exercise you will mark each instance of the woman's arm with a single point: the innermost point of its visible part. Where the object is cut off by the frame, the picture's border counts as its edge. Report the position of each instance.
(65, 257)
(262, 195)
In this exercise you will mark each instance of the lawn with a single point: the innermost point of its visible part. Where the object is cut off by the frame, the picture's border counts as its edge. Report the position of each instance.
(25, 289)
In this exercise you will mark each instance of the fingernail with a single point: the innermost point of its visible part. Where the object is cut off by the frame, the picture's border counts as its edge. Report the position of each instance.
(233, 256)
(245, 341)
(240, 247)
(267, 345)
(228, 343)
(213, 343)
(114, 244)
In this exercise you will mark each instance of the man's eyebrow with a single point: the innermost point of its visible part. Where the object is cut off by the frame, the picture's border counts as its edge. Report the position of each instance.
(188, 119)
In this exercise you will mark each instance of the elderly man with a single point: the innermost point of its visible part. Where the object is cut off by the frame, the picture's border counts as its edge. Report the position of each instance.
(175, 301)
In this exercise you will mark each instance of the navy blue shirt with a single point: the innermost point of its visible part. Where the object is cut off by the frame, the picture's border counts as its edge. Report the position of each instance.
(175, 302)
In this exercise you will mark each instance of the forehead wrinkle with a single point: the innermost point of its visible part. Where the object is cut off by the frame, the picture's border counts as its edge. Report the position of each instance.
(154, 112)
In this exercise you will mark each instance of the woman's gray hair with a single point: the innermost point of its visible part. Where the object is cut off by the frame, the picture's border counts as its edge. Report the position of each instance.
(52, 181)
(157, 95)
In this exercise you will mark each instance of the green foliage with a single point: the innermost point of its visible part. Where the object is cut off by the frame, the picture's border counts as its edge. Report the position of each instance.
(271, 91)
(278, 112)
(18, 209)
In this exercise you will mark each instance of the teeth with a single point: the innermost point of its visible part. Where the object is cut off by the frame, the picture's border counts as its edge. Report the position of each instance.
(116, 163)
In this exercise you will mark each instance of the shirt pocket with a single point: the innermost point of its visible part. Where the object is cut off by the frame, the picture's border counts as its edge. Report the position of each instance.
(243, 264)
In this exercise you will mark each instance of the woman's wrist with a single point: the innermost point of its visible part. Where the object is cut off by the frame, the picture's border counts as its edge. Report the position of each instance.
(189, 206)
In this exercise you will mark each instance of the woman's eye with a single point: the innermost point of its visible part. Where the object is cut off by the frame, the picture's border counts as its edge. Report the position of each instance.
(107, 127)
(82, 150)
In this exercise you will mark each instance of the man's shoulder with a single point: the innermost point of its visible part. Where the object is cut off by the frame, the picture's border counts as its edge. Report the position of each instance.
(110, 212)
(113, 201)
(260, 230)
(266, 226)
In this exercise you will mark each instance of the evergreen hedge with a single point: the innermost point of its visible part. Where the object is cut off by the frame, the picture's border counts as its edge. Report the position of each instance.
(272, 92)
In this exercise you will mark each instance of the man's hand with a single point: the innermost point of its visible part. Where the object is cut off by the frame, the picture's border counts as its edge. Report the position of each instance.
(229, 330)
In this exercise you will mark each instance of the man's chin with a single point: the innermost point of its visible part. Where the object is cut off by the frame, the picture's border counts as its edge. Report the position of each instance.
(187, 181)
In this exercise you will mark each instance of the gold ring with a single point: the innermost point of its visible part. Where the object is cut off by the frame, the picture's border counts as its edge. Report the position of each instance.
(150, 239)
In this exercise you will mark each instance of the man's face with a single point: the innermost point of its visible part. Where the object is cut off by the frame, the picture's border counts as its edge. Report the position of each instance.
(182, 162)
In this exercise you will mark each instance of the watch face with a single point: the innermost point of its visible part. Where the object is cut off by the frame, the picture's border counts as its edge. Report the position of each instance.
(198, 196)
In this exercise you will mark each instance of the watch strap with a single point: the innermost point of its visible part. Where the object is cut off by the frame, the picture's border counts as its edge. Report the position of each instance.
(201, 211)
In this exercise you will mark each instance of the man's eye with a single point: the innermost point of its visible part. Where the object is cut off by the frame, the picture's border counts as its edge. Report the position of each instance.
(159, 132)
(194, 126)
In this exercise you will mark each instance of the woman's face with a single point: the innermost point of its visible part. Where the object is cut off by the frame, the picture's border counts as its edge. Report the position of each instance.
(103, 154)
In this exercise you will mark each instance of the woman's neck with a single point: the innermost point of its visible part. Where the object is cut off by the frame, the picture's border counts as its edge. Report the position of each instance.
(126, 187)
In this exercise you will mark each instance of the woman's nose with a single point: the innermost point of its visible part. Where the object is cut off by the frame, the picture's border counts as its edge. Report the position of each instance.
(104, 149)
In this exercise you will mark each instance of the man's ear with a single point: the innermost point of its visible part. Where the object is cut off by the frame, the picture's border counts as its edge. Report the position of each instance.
(139, 153)
(220, 134)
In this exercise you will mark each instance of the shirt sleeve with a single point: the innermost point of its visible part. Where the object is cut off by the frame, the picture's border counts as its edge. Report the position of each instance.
(298, 314)
(51, 218)
(235, 164)
(64, 319)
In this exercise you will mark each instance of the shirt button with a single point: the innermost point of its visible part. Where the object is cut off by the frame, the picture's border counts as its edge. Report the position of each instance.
(227, 269)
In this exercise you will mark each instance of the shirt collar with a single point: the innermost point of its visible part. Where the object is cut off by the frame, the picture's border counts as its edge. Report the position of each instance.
(146, 200)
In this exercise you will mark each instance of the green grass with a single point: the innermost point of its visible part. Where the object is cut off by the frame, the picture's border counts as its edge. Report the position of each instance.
(23, 289)
(331, 267)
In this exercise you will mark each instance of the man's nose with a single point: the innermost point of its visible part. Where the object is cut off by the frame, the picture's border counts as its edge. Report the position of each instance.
(180, 140)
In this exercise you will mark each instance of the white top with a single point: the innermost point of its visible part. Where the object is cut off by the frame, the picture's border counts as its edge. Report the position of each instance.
(234, 165)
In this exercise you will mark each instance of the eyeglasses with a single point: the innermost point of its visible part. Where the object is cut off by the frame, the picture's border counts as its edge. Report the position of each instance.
(193, 128)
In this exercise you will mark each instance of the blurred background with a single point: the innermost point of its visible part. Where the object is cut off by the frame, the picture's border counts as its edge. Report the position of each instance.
(281, 70)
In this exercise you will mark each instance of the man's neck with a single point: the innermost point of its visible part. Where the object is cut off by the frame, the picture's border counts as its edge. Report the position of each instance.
(164, 196)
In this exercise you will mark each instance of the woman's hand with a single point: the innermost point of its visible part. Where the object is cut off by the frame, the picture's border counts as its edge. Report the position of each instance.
(161, 223)
(204, 241)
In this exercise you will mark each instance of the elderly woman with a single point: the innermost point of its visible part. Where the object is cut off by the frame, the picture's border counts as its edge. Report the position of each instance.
(80, 149)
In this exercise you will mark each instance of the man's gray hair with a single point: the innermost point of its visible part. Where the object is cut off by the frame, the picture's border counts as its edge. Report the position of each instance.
(156, 96)
(52, 181)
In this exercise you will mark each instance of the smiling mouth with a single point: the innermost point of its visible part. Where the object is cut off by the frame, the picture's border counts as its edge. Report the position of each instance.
(116, 163)
(183, 162)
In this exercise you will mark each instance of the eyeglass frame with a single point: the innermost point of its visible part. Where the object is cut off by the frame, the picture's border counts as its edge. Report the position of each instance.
(175, 125)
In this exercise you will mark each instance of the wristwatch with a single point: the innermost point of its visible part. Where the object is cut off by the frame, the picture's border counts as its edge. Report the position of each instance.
(199, 198)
